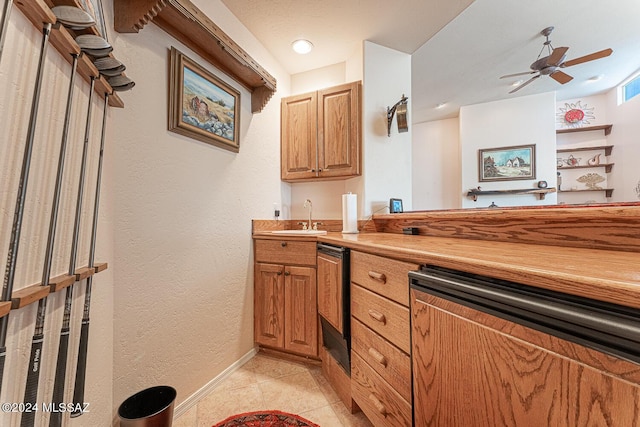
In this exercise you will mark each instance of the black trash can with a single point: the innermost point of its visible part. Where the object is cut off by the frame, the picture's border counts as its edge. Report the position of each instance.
(152, 407)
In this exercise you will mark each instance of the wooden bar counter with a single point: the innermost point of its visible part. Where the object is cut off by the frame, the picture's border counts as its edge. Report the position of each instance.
(591, 251)
(612, 276)
(443, 345)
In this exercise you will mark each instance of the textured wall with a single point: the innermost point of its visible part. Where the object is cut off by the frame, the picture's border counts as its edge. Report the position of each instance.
(184, 279)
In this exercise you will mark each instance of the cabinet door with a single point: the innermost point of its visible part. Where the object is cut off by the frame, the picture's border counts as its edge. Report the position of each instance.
(471, 368)
(269, 305)
(301, 312)
(330, 290)
(298, 137)
(339, 137)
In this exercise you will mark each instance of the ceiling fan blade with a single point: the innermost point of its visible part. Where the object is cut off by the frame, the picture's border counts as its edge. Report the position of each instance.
(557, 55)
(525, 83)
(518, 74)
(561, 77)
(587, 58)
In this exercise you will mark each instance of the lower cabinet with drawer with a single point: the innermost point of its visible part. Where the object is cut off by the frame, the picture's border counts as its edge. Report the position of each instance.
(285, 300)
(380, 338)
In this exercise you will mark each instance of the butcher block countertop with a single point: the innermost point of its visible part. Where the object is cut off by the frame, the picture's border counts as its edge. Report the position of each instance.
(612, 276)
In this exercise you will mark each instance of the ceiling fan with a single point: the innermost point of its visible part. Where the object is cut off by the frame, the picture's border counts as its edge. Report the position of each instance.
(550, 65)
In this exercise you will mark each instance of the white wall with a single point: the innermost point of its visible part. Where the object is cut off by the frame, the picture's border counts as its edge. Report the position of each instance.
(386, 160)
(17, 75)
(320, 78)
(602, 109)
(595, 108)
(435, 165)
(518, 121)
(184, 284)
(625, 176)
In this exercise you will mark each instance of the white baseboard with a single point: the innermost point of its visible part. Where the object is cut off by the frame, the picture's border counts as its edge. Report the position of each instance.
(193, 400)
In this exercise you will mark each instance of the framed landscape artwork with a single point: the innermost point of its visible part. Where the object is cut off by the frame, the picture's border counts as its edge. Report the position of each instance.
(201, 106)
(507, 163)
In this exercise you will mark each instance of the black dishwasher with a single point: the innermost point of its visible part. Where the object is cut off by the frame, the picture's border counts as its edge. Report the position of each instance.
(607, 327)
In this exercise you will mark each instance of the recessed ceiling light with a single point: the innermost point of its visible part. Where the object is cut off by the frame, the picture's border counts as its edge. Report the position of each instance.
(517, 83)
(302, 46)
(440, 105)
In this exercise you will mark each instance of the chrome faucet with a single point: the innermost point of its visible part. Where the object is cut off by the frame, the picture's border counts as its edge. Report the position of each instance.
(308, 204)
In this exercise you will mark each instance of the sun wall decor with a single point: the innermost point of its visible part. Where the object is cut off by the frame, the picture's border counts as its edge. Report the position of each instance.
(575, 115)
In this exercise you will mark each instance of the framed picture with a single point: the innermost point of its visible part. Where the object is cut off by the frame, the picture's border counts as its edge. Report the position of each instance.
(201, 106)
(395, 205)
(507, 163)
(94, 8)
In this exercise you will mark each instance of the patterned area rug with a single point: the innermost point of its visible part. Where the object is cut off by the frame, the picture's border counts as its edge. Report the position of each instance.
(266, 419)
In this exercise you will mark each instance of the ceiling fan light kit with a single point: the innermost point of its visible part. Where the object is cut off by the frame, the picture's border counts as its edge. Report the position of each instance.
(550, 64)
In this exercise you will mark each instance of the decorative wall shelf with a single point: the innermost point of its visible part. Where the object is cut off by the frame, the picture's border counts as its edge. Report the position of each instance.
(605, 128)
(188, 24)
(541, 192)
(608, 191)
(607, 149)
(607, 166)
(607, 152)
(63, 40)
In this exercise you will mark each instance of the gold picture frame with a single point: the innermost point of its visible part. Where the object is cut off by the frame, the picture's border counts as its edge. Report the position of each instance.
(201, 106)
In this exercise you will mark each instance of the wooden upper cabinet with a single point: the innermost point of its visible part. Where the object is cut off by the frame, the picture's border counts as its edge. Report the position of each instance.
(339, 131)
(299, 137)
(321, 135)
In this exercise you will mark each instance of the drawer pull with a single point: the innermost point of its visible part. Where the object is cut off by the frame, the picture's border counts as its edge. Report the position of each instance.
(379, 406)
(378, 276)
(376, 315)
(377, 356)
(283, 244)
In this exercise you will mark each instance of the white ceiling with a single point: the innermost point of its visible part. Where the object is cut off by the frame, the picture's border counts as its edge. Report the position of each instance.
(458, 52)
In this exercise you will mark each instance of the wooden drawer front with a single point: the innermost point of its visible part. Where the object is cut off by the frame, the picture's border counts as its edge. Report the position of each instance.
(384, 276)
(392, 364)
(380, 403)
(286, 252)
(385, 317)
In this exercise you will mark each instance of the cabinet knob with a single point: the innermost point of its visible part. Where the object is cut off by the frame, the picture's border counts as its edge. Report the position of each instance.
(283, 244)
(377, 356)
(313, 170)
(378, 276)
(279, 273)
(378, 405)
(377, 316)
(287, 273)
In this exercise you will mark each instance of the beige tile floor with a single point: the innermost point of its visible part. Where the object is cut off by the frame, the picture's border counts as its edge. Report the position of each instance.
(266, 382)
